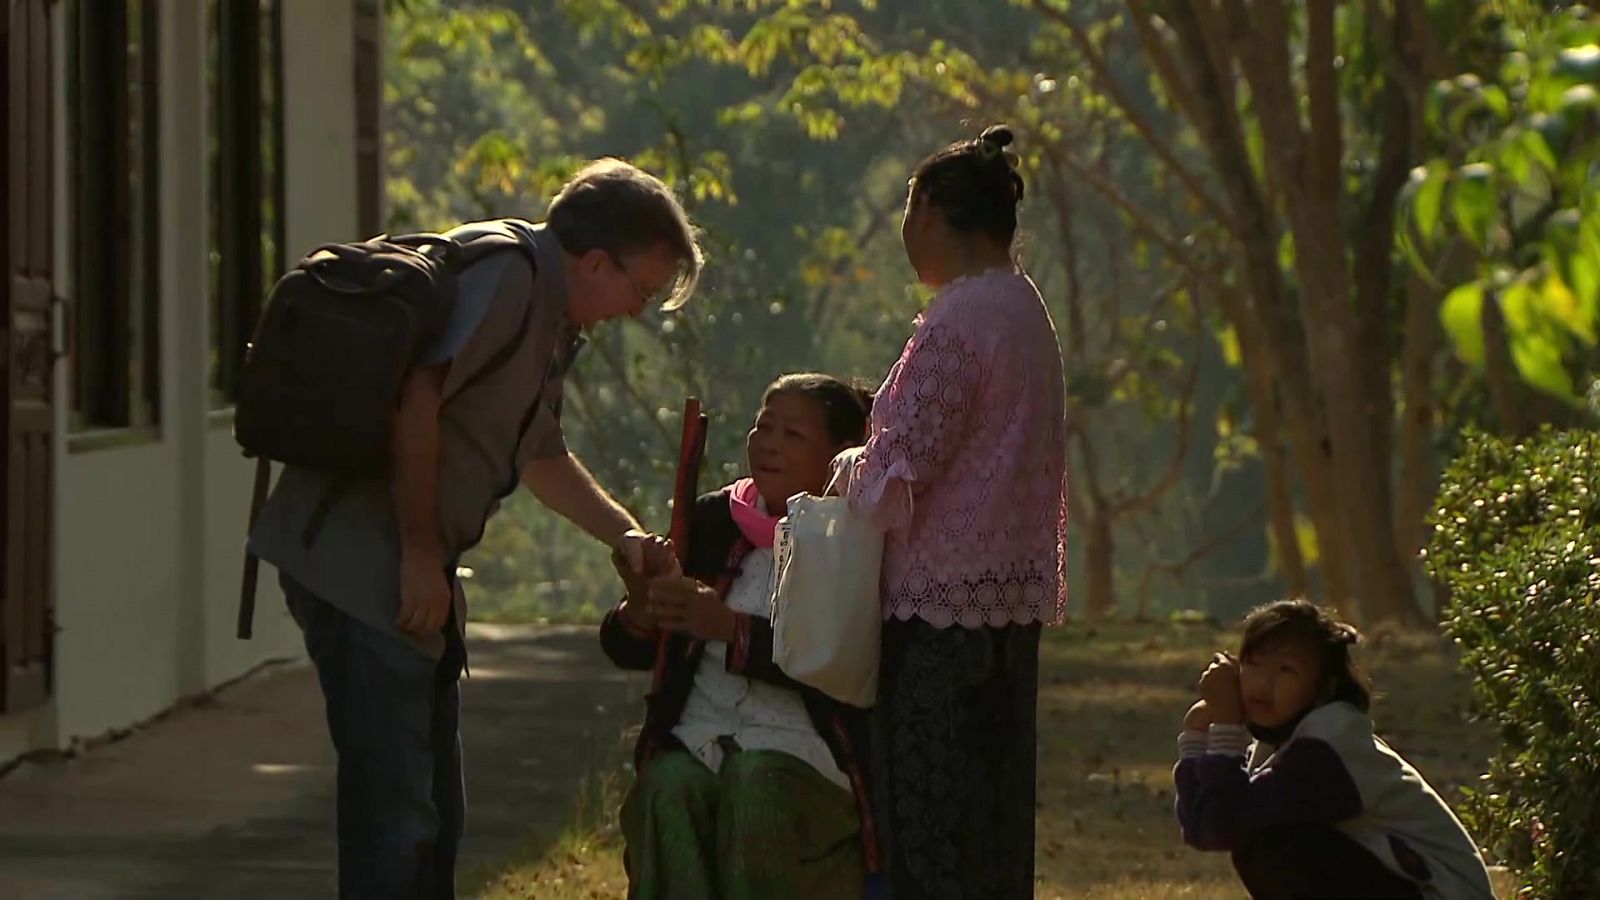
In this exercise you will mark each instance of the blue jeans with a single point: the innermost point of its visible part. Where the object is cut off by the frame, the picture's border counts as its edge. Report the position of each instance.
(394, 716)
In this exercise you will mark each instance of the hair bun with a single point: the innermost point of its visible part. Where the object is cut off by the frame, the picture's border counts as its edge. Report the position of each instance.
(975, 184)
(998, 135)
(865, 395)
(991, 146)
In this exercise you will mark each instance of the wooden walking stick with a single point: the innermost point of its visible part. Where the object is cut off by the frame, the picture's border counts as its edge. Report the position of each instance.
(252, 565)
(691, 450)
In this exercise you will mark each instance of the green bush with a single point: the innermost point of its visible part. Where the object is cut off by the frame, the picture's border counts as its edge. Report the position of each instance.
(1515, 543)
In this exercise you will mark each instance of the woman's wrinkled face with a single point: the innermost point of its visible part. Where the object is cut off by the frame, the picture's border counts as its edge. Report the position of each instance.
(1280, 680)
(789, 449)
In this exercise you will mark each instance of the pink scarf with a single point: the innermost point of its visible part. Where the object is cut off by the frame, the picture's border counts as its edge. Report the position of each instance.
(744, 501)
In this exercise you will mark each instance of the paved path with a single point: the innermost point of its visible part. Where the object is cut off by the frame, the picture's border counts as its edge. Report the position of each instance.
(233, 797)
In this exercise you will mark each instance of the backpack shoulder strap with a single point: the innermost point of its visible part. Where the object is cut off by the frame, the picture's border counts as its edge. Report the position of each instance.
(503, 355)
(480, 239)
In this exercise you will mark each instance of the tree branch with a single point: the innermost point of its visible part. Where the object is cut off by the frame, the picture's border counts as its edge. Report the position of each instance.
(1156, 50)
(1137, 217)
(604, 460)
(881, 214)
(1374, 246)
(1284, 337)
(1161, 148)
(1061, 201)
(1261, 44)
(1143, 502)
(1325, 162)
(602, 348)
(1176, 569)
(1091, 468)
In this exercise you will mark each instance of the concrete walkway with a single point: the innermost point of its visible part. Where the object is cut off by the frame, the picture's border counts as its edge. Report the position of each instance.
(233, 797)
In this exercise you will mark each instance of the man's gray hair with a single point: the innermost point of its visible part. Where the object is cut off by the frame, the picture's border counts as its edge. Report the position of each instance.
(617, 207)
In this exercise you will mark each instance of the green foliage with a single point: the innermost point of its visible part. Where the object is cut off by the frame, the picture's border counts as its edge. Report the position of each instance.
(1516, 542)
(491, 106)
(1514, 180)
(790, 127)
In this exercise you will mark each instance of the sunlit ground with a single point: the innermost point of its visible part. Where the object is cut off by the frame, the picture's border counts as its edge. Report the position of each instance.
(1109, 706)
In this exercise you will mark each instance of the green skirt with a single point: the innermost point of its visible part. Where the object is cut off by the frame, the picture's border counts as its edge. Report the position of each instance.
(767, 827)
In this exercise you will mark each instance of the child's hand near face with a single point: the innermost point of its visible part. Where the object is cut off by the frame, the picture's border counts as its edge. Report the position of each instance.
(1198, 718)
(1219, 690)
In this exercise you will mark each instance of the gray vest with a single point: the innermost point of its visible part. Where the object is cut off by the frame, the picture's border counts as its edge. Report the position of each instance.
(488, 432)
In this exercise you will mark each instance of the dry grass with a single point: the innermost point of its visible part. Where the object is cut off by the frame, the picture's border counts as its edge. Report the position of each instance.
(1110, 700)
(584, 861)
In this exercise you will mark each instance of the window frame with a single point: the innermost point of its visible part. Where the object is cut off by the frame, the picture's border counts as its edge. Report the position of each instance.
(247, 184)
(113, 101)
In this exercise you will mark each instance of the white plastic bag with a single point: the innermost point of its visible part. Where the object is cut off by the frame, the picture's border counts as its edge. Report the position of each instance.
(826, 613)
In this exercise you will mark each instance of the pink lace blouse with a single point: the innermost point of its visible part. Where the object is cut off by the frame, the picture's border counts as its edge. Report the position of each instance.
(965, 465)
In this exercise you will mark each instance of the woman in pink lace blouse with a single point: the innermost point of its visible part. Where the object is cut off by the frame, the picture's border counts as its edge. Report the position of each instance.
(965, 468)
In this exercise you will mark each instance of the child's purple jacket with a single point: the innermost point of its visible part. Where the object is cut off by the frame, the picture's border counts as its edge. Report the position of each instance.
(1332, 770)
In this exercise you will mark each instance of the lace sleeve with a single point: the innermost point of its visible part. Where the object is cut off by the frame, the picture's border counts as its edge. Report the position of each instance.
(920, 418)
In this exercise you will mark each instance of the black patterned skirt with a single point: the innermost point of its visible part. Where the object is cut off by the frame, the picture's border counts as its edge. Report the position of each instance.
(954, 759)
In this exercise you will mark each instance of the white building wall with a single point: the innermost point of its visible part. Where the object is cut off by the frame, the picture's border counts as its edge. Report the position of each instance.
(150, 526)
(118, 591)
(320, 189)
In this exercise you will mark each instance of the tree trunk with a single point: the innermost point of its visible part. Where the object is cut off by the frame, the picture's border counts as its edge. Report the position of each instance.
(1268, 433)
(1323, 507)
(1500, 373)
(1280, 501)
(1374, 273)
(1414, 47)
(1419, 471)
(1359, 472)
(1099, 557)
(1309, 164)
(1270, 309)
(1096, 516)
(1419, 467)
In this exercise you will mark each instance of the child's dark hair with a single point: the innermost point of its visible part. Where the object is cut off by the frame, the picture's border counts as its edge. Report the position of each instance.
(975, 183)
(846, 406)
(1303, 620)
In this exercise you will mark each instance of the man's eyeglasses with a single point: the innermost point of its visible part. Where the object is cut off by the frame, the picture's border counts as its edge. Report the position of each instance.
(645, 297)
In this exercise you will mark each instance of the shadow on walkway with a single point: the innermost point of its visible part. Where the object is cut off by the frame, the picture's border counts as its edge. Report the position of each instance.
(233, 797)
